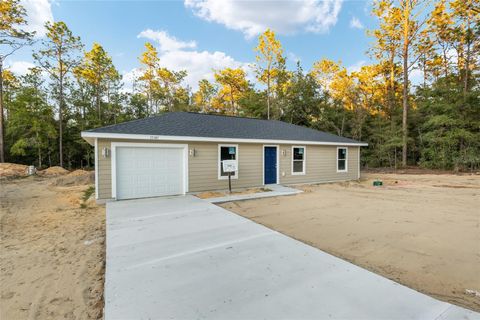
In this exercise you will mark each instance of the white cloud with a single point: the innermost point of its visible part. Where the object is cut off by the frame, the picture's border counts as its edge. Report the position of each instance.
(175, 55)
(416, 77)
(355, 23)
(198, 64)
(292, 56)
(367, 7)
(19, 68)
(38, 13)
(253, 17)
(452, 55)
(166, 42)
(128, 79)
(356, 66)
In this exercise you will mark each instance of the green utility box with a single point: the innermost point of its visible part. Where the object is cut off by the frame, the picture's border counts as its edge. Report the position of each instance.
(377, 183)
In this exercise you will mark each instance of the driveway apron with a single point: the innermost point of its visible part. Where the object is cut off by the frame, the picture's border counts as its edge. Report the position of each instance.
(185, 258)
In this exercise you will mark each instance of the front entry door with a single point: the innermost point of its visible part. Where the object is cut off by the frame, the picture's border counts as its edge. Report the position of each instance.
(270, 165)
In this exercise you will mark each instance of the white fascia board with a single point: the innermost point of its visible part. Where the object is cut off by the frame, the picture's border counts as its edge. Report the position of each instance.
(89, 139)
(86, 135)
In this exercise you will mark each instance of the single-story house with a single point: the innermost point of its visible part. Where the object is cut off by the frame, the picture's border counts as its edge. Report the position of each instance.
(180, 152)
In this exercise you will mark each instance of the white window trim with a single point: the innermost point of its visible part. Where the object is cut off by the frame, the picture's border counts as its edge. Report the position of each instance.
(346, 159)
(114, 146)
(278, 159)
(220, 177)
(304, 161)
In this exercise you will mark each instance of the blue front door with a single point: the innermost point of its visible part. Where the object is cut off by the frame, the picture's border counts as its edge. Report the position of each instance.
(270, 165)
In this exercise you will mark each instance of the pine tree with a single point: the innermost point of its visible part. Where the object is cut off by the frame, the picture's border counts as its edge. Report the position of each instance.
(58, 57)
(270, 63)
(12, 37)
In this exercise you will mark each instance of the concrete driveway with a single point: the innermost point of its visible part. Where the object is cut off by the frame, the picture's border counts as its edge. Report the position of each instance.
(184, 258)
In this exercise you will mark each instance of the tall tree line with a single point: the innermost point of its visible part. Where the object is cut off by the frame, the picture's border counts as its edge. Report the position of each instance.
(433, 122)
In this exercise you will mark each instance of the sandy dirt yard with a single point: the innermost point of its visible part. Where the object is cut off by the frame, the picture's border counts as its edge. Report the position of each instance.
(422, 231)
(52, 249)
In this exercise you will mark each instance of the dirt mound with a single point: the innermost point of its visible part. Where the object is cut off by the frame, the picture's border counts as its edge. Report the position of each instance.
(10, 170)
(75, 178)
(52, 171)
(79, 172)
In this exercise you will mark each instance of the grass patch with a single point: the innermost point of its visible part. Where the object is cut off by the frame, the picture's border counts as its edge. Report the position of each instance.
(87, 193)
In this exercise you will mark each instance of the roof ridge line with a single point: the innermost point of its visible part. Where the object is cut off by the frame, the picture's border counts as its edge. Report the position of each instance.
(224, 115)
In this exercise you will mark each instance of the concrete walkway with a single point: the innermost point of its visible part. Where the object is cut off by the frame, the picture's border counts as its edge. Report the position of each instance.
(277, 190)
(185, 258)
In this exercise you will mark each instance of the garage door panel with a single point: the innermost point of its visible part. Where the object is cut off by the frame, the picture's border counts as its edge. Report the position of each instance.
(148, 172)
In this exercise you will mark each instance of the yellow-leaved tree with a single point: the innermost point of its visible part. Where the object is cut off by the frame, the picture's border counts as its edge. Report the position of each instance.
(270, 63)
(401, 24)
(411, 26)
(13, 36)
(324, 71)
(386, 48)
(466, 16)
(203, 97)
(171, 93)
(440, 28)
(98, 71)
(58, 57)
(161, 86)
(233, 85)
(148, 78)
(360, 92)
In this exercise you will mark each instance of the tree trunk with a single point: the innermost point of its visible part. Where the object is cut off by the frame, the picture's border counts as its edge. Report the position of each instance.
(406, 34)
(467, 58)
(39, 152)
(405, 115)
(424, 71)
(97, 98)
(234, 111)
(60, 121)
(391, 94)
(343, 126)
(268, 97)
(467, 65)
(445, 61)
(2, 153)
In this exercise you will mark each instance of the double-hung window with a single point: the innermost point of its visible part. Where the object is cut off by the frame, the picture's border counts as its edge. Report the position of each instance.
(227, 152)
(298, 160)
(342, 153)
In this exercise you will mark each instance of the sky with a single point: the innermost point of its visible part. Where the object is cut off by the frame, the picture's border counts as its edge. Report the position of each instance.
(201, 36)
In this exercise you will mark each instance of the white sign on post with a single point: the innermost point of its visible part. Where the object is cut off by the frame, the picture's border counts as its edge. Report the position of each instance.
(229, 165)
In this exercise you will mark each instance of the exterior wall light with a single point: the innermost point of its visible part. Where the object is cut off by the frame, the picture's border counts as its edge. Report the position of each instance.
(105, 152)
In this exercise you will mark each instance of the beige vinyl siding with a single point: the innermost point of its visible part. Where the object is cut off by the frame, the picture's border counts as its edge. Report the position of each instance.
(202, 168)
(321, 165)
(104, 171)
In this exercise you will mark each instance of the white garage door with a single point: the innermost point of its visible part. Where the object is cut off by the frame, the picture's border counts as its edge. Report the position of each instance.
(149, 172)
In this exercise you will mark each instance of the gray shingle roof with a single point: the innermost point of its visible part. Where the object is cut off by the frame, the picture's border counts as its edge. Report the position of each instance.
(217, 126)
